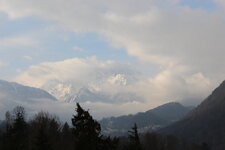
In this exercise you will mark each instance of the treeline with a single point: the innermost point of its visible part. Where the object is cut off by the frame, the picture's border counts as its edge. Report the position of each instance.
(45, 132)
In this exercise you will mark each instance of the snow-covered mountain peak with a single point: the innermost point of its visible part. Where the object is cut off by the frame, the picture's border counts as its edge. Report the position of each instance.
(118, 79)
(104, 91)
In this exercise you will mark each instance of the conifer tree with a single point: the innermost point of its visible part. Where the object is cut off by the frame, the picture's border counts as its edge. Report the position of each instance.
(205, 146)
(45, 130)
(7, 136)
(18, 131)
(86, 130)
(134, 141)
(67, 137)
(42, 140)
(65, 129)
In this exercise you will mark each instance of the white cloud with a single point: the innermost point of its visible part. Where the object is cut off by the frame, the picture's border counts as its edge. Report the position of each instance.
(118, 79)
(17, 41)
(64, 110)
(76, 48)
(187, 45)
(81, 73)
(28, 57)
(2, 64)
(220, 2)
(155, 31)
(71, 69)
(109, 78)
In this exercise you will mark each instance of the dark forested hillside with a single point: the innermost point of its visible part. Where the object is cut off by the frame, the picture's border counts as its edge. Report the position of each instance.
(46, 132)
(206, 123)
(147, 121)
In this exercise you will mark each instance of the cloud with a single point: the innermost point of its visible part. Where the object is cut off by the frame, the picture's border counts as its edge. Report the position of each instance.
(17, 41)
(116, 86)
(155, 31)
(2, 64)
(185, 44)
(28, 57)
(73, 69)
(220, 2)
(99, 76)
(64, 110)
(76, 48)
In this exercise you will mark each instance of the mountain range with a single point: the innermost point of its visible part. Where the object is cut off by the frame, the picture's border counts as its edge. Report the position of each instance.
(146, 121)
(69, 92)
(17, 91)
(205, 123)
(13, 94)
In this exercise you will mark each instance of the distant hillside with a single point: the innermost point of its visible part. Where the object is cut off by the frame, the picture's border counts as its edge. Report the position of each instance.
(146, 121)
(206, 123)
(25, 93)
(13, 94)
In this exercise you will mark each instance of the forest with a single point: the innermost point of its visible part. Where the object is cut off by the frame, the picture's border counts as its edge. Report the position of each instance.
(46, 132)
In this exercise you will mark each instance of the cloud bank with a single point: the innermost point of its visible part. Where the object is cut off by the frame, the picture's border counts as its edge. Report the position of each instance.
(119, 88)
(185, 44)
(17, 41)
(154, 31)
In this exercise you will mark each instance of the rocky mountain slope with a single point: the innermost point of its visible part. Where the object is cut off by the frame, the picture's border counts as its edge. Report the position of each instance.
(105, 91)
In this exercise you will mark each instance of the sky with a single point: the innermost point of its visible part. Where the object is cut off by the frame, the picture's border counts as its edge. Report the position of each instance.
(157, 50)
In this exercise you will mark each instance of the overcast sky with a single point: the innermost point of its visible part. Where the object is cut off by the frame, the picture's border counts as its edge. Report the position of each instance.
(158, 50)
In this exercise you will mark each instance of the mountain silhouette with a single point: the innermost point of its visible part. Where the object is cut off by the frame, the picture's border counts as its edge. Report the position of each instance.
(146, 121)
(205, 123)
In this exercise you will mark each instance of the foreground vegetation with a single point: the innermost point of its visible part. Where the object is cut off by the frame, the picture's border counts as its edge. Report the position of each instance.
(45, 132)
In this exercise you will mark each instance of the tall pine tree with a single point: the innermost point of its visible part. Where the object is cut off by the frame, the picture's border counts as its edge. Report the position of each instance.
(16, 136)
(86, 130)
(134, 141)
